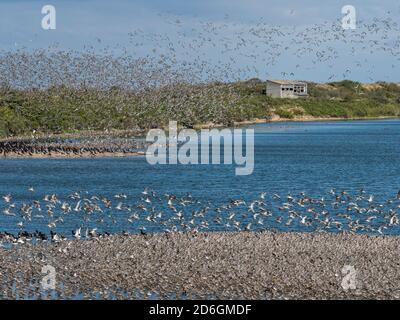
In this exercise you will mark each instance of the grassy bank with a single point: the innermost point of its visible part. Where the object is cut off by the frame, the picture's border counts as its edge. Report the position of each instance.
(67, 110)
(346, 99)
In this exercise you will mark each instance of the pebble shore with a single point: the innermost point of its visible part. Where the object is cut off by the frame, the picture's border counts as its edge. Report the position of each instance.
(225, 265)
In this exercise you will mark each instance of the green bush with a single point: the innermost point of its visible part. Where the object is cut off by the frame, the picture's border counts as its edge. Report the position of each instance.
(286, 114)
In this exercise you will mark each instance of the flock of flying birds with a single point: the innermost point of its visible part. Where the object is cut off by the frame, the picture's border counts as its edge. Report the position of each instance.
(196, 51)
(85, 216)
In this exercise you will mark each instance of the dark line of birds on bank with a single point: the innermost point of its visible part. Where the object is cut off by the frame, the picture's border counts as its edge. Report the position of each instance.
(42, 147)
(98, 216)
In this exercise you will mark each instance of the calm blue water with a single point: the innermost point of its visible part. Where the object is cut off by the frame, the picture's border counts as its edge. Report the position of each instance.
(289, 157)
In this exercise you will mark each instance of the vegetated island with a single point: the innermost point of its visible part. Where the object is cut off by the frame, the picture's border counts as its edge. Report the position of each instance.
(29, 118)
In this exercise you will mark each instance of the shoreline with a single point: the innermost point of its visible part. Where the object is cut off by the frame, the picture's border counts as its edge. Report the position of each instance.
(141, 132)
(311, 119)
(276, 118)
(223, 265)
(137, 133)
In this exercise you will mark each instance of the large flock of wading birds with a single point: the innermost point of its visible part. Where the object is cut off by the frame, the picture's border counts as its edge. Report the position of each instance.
(70, 147)
(97, 216)
(175, 75)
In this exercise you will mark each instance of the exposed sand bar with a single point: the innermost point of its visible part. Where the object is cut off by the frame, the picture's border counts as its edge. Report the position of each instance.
(221, 265)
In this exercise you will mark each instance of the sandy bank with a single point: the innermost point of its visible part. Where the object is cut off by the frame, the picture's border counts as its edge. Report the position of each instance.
(276, 118)
(306, 118)
(222, 265)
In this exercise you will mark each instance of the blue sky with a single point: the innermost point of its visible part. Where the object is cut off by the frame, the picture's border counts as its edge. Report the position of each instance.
(82, 22)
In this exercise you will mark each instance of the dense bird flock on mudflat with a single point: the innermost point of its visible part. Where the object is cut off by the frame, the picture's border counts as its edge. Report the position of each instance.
(62, 147)
(214, 265)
